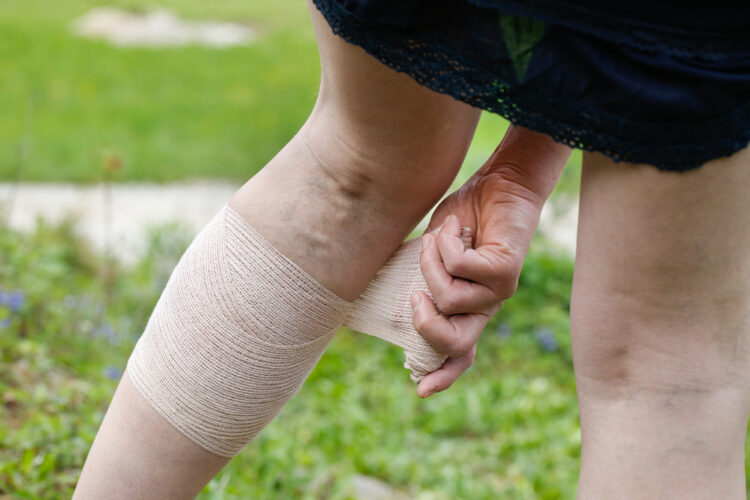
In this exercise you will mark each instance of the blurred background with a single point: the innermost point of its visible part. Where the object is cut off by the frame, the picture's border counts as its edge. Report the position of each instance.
(124, 126)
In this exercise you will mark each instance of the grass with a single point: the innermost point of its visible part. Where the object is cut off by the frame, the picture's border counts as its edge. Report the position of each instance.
(168, 114)
(507, 429)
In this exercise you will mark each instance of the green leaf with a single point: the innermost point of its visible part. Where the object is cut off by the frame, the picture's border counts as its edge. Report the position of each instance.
(521, 34)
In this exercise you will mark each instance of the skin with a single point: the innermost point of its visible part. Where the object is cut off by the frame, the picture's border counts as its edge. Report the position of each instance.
(377, 152)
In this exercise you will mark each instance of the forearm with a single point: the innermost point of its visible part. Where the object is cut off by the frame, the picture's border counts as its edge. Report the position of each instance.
(531, 162)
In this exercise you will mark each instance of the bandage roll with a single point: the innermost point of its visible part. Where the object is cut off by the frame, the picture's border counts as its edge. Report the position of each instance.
(384, 310)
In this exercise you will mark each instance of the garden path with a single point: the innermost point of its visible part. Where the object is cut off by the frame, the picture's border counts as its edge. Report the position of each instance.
(119, 217)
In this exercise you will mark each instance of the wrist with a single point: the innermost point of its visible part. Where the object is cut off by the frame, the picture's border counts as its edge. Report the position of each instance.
(528, 159)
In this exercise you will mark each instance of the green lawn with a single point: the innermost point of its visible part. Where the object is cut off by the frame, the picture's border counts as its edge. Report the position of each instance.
(170, 113)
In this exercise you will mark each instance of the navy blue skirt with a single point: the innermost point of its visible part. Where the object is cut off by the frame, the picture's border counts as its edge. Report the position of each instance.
(665, 83)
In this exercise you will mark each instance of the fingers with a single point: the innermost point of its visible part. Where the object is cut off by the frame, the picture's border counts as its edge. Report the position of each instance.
(490, 265)
(441, 379)
(453, 335)
(452, 295)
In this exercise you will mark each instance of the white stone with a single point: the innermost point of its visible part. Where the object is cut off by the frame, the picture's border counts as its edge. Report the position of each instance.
(158, 28)
(370, 488)
(119, 216)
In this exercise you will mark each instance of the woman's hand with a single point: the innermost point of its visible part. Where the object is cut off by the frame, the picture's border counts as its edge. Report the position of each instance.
(500, 204)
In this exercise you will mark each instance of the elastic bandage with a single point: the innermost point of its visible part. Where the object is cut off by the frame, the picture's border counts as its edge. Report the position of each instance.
(234, 335)
(239, 327)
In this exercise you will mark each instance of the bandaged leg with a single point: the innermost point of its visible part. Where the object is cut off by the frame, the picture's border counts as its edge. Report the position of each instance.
(384, 309)
(239, 327)
(234, 335)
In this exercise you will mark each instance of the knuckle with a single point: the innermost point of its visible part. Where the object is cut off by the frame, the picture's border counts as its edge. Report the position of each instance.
(507, 272)
(461, 346)
(422, 255)
(424, 265)
(446, 303)
(452, 265)
(506, 279)
(424, 259)
(420, 322)
(505, 290)
(424, 247)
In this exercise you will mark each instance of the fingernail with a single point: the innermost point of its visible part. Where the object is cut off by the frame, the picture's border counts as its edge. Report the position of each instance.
(466, 237)
(416, 299)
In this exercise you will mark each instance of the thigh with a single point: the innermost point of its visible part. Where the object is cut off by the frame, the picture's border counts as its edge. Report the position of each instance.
(401, 129)
(377, 152)
(662, 280)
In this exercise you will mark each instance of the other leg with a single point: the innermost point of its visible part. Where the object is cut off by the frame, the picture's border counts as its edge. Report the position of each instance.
(660, 320)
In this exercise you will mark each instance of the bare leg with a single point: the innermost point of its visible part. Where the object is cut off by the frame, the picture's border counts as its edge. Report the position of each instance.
(661, 324)
(379, 151)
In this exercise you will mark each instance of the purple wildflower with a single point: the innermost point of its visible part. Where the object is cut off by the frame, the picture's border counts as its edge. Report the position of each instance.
(546, 339)
(70, 301)
(503, 331)
(106, 331)
(113, 373)
(14, 300)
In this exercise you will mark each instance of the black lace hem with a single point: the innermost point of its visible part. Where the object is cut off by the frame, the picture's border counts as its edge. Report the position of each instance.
(667, 146)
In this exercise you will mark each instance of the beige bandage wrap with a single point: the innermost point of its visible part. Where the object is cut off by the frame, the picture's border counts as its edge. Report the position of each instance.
(384, 310)
(234, 335)
(239, 327)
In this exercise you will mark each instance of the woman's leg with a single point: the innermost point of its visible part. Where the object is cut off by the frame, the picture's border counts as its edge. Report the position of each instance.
(660, 321)
(376, 153)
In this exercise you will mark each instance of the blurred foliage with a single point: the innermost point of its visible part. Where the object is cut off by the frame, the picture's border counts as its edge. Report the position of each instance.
(507, 429)
(168, 114)
(69, 321)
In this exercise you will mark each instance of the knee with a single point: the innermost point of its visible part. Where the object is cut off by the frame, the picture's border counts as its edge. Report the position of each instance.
(387, 158)
(625, 340)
